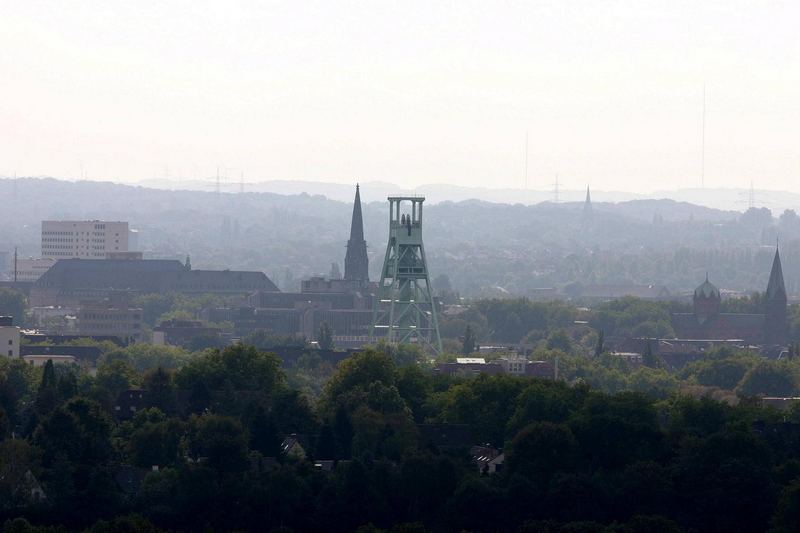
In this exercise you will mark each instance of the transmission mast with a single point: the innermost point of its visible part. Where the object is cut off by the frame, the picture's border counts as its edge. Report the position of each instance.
(703, 144)
(405, 311)
(556, 191)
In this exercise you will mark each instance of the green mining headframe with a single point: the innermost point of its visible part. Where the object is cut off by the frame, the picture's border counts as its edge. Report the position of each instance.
(405, 310)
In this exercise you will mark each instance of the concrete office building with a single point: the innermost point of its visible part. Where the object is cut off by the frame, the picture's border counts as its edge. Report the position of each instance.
(90, 239)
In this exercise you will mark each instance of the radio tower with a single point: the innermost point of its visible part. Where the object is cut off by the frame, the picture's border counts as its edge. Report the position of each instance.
(703, 145)
(405, 310)
(555, 190)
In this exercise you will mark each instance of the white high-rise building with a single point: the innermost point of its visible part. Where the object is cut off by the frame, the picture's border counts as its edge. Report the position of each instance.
(88, 239)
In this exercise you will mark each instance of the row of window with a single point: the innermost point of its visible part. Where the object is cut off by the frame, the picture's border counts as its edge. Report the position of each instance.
(108, 326)
(55, 239)
(105, 316)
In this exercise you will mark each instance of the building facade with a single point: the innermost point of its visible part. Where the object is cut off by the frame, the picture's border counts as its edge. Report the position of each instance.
(110, 318)
(9, 337)
(89, 239)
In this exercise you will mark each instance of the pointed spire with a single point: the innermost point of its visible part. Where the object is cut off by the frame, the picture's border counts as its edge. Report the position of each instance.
(357, 223)
(776, 289)
(587, 208)
(356, 263)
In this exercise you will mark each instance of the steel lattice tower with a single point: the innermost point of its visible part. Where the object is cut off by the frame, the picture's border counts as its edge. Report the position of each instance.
(405, 310)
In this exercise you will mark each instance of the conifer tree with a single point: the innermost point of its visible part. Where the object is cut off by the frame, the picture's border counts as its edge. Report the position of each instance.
(469, 345)
(47, 395)
(325, 337)
(599, 348)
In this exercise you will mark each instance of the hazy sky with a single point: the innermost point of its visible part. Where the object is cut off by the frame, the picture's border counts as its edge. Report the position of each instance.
(610, 93)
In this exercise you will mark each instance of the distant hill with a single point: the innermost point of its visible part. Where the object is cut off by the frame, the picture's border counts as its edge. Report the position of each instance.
(477, 243)
(722, 199)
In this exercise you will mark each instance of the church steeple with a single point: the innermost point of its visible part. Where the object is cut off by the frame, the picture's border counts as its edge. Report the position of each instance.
(586, 217)
(356, 263)
(776, 325)
(776, 289)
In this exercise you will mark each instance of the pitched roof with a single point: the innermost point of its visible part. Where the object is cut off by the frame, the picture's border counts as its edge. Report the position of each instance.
(148, 275)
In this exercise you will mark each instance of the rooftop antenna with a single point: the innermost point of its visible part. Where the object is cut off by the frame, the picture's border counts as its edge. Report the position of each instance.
(241, 183)
(15, 264)
(703, 144)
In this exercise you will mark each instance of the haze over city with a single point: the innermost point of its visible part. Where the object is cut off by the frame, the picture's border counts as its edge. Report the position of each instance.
(608, 93)
(399, 267)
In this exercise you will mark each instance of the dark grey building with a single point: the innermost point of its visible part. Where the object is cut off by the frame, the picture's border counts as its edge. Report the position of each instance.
(71, 281)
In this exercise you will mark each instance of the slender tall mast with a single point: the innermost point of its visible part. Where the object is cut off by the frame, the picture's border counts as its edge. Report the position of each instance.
(526, 161)
(703, 144)
(555, 190)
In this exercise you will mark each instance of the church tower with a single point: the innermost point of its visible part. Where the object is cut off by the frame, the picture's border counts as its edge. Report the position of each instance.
(706, 301)
(356, 263)
(775, 326)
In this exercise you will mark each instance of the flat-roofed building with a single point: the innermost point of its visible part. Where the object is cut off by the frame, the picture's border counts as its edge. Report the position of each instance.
(110, 318)
(84, 239)
(9, 337)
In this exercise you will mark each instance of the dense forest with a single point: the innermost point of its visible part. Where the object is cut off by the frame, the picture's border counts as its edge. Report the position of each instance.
(207, 451)
(484, 248)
